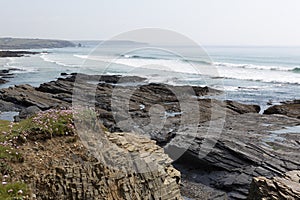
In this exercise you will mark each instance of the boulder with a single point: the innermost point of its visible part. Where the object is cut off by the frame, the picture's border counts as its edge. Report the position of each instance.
(290, 108)
(28, 112)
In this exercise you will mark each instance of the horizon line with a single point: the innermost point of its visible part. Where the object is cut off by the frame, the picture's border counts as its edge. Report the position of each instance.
(203, 44)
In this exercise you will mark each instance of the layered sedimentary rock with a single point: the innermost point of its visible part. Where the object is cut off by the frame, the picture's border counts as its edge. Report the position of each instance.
(284, 187)
(64, 168)
(248, 145)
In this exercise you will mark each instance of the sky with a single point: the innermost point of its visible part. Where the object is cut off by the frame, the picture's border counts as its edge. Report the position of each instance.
(207, 22)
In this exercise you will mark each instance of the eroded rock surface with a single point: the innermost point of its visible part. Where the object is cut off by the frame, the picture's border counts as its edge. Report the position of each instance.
(64, 168)
(249, 146)
(276, 188)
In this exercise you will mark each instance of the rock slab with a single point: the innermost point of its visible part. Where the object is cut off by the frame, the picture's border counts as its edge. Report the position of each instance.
(276, 188)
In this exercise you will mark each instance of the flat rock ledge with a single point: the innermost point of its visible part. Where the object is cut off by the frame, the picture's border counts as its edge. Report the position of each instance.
(276, 188)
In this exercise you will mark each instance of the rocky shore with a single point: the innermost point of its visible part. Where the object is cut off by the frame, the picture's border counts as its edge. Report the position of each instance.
(5, 54)
(250, 144)
(5, 74)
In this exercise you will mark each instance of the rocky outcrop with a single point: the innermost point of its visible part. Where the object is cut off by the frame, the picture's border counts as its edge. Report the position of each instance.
(27, 112)
(244, 149)
(285, 187)
(249, 146)
(6, 74)
(26, 95)
(59, 94)
(2, 81)
(16, 53)
(64, 168)
(290, 108)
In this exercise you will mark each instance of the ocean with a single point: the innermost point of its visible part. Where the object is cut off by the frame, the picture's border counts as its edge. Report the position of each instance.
(251, 75)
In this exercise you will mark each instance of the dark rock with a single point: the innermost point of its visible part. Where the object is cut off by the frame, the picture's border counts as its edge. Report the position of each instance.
(26, 95)
(290, 108)
(2, 81)
(28, 112)
(64, 74)
(246, 148)
(8, 106)
(242, 108)
(107, 78)
(4, 71)
(16, 53)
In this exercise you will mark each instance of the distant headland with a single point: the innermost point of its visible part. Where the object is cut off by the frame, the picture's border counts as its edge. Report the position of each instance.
(22, 43)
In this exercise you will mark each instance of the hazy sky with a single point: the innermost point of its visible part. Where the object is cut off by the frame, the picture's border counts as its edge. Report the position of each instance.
(210, 22)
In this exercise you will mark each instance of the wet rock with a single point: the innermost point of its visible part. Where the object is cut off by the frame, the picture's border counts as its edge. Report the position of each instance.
(2, 81)
(283, 187)
(246, 148)
(16, 53)
(242, 108)
(290, 108)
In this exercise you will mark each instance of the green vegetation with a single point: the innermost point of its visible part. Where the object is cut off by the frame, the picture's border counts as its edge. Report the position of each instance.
(51, 122)
(10, 191)
(48, 123)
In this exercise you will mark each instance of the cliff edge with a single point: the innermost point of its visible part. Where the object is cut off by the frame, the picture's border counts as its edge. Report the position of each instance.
(42, 157)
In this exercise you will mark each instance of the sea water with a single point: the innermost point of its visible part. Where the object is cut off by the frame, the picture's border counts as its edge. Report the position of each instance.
(260, 75)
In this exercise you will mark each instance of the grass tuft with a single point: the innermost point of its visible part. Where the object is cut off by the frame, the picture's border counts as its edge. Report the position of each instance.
(12, 191)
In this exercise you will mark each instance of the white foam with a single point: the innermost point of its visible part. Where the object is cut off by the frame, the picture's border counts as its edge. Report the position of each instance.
(166, 65)
(81, 56)
(252, 66)
(235, 71)
(46, 58)
(257, 75)
(21, 70)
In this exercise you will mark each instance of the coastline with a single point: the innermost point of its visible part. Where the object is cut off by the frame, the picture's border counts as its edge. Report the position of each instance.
(6, 74)
(238, 156)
